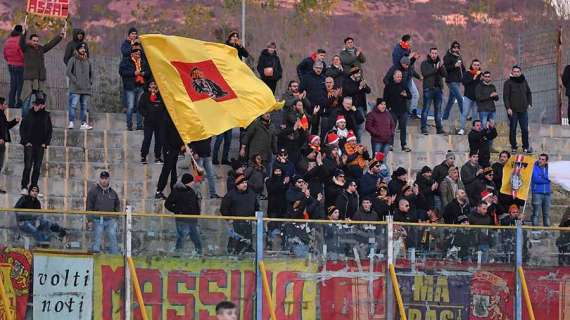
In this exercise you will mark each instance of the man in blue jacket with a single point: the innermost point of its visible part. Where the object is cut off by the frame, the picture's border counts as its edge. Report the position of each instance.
(540, 186)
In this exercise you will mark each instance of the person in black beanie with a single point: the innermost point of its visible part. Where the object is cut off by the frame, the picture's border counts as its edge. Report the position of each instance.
(127, 45)
(183, 200)
(35, 224)
(35, 134)
(5, 127)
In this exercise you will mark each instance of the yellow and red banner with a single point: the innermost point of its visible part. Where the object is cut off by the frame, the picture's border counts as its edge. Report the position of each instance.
(207, 89)
(175, 288)
(517, 175)
(50, 8)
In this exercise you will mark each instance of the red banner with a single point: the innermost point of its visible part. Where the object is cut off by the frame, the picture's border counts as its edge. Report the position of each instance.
(435, 291)
(50, 8)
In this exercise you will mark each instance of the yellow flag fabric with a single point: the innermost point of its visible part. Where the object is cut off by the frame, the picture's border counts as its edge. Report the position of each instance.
(517, 175)
(206, 88)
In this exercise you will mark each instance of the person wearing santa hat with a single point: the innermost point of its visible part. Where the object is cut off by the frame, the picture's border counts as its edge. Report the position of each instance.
(356, 156)
(340, 129)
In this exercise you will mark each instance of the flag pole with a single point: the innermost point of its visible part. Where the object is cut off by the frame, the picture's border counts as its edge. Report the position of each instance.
(243, 23)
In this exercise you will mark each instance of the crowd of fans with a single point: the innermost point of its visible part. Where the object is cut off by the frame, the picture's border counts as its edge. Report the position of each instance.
(309, 164)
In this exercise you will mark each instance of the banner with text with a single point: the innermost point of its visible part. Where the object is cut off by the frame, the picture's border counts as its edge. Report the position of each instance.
(63, 287)
(50, 8)
(175, 288)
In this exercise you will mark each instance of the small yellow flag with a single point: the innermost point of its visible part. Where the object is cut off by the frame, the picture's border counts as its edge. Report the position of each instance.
(207, 89)
(517, 175)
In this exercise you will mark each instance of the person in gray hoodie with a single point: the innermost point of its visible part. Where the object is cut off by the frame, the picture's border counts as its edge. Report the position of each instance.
(77, 39)
(103, 198)
(80, 77)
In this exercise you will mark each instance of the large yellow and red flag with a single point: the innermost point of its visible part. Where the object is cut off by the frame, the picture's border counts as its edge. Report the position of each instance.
(207, 89)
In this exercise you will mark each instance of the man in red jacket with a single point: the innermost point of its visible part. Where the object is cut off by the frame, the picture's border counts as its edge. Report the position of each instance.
(14, 57)
(381, 126)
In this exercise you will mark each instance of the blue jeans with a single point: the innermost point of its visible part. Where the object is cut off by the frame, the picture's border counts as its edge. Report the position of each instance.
(435, 95)
(109, 225)
(132, 99)
(413, 103)
(206, 163)
(541, 201)
(226, 137)
(486, 116)
(74, 99)
(185, 228)
(41, 233)
(402, 122)
(454, 94)
(469, 109)
(16, 85)
(522, 119)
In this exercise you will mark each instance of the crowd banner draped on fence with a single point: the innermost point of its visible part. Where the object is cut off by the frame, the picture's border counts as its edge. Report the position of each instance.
(207, 89)
(50, 8)
(517, 174)
(63, 286)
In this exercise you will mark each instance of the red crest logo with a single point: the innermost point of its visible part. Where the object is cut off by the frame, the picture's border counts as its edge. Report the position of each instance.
(202, 80)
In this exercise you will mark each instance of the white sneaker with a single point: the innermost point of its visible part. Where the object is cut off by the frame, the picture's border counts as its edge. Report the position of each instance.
(461, 132)
(24, 191)
(85, 126)
(71, 125)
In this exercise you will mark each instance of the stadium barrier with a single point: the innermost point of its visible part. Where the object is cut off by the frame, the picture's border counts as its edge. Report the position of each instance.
(315, 269)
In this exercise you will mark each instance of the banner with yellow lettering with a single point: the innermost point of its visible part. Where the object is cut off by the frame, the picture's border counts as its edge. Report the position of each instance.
(175, 288)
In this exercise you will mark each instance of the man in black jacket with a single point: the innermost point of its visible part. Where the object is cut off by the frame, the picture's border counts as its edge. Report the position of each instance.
(480, 140)
(173, 146)
(518, 98)
(240, 201)
(486, 95)
(456, 208)
(134, 73)
(151, 107)
(396, 94)
(455, 69)
(357, 88)
(183, 200)
(314, 84)
(433, 72)
(35, 224)
(5, 127)
(35, 134)
(347, 201)
(269, 66)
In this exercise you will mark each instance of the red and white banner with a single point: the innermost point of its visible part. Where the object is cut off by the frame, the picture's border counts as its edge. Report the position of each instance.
(50, 8)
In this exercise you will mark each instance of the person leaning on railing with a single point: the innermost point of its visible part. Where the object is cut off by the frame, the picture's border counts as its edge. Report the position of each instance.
(183, 200)
(240, 201)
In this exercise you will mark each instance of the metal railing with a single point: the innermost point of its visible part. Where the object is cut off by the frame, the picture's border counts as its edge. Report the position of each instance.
(454, 259)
